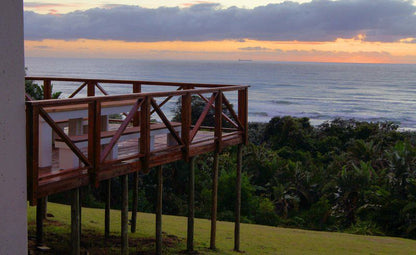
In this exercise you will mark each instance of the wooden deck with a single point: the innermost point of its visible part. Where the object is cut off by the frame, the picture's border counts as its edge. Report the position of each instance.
(137, 149)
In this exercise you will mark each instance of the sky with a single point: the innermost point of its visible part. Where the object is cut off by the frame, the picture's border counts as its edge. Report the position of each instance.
(357, 31)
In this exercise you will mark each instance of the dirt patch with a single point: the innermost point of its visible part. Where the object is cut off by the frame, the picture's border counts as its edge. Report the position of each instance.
(93, 242)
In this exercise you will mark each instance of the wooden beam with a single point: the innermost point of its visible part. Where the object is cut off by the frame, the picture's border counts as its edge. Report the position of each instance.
(75, 223)
(223, 114)
(107, 208)
(164, 102)
(191, 206)
(159, 210)
(231, 110)
(101, 89)
(64, 137)
(27, 97)
(78, 90)
(238, 198)
(166, 122)
(124, 215)
(214, 201)
(120, 130)
(202, 116)
(135, 201)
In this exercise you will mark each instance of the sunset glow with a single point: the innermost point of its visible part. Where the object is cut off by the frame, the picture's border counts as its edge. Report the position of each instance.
(342, 50)
(208, 41)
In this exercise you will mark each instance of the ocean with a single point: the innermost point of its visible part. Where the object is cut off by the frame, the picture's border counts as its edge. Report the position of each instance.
(319, 91)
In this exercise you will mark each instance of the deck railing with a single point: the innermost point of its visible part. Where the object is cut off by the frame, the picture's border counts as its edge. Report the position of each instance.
(95, 163)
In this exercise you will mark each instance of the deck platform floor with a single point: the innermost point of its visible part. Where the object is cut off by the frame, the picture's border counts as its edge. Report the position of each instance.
(130, 148)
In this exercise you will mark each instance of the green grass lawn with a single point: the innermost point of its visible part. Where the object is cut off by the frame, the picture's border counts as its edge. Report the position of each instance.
(255, 239)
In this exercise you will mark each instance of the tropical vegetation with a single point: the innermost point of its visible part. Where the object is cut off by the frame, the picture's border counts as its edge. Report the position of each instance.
(343, 175)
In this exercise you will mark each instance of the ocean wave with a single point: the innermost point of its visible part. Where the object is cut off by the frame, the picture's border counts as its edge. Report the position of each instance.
(284, 102)
(263, 114)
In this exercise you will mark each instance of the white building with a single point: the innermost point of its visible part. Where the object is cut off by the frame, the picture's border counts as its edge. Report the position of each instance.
(13, 206)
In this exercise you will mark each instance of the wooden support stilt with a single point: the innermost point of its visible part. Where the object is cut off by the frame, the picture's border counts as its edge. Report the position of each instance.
(191, 206)
(45, 207)
(75, 223)
(159, 210)
(214, 202)
(39, 221)
(135, 201)
(107, 208)
(124, 215)
(238, 198)
(80, 211)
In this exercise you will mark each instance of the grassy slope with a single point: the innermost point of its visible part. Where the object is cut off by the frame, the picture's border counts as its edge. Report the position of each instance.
(255, 239)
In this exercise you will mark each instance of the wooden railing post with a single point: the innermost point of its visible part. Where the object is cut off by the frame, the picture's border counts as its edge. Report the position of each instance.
(218, 121)
(137, 88)
(90, 89)
(186, 118)
(243, 112)
(32, 148)
(47, 89)
(94, 139)
(145, 133)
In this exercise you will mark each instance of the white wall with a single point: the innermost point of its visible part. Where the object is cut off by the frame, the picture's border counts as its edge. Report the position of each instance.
(13, 216)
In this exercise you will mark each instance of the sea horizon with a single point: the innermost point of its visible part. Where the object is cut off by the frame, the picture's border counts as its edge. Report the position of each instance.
(321, 91)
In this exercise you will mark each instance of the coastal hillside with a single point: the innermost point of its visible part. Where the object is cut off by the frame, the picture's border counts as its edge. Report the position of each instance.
(255, 239)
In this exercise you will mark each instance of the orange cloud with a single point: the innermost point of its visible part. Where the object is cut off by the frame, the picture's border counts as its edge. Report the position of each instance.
(340, 50)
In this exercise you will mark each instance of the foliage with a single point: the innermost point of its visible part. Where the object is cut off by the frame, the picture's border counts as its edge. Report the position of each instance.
(197, 107)
(343, 175)
(36, 92)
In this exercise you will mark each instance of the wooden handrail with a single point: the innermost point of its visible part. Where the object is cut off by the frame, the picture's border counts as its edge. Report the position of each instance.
(69, 101)
(158, 83)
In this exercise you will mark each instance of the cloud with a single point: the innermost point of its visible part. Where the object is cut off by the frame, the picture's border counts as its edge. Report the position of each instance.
(111, 6)
(322, 53)
(257, 48)
(43, 47)
(42, 5)
(319, 20)
(408, 40)
(196, 3)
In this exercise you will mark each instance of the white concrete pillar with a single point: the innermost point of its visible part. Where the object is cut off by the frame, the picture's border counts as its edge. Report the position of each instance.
(13, 206)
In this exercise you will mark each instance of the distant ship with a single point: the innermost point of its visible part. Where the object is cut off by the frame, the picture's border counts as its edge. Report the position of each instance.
(244, 60)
